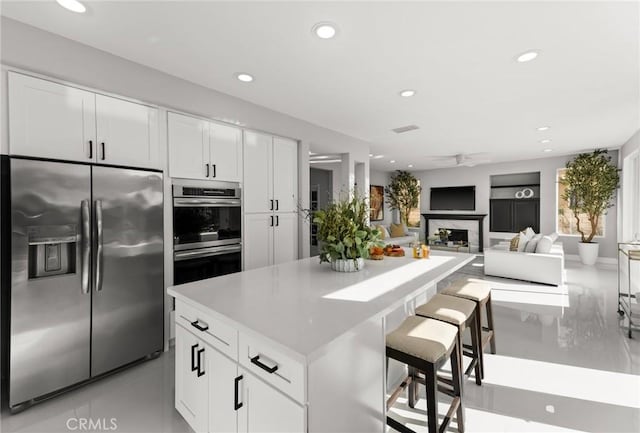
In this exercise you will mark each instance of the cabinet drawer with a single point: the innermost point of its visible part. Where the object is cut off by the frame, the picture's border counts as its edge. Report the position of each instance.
(219, 335)
(273, 366)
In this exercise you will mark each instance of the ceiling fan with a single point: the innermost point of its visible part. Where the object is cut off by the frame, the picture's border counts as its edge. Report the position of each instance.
(460, 160)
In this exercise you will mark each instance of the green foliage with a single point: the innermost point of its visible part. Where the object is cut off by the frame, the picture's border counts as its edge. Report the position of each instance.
(590, 183)
(343, 230)
(403, 193)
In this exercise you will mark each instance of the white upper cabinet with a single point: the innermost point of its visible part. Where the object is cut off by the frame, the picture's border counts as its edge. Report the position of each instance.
(285, 174)
(49, 120)
(258, 172)
(188, 147)
(127, 133)
(199, 149)
(225, 144)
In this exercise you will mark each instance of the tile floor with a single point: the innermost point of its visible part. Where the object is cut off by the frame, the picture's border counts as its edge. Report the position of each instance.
(563, 364)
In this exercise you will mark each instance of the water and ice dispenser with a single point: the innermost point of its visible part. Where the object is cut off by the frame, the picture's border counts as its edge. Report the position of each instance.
(52, 250)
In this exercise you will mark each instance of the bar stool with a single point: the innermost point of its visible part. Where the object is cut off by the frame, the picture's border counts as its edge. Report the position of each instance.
(461, 313)
(480, 293)
(425, 345)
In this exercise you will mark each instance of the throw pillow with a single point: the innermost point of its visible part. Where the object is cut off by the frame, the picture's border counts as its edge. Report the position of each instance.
(553, 236)
(522, 243)
(532, 244)
(397, 230)
(544, 245)
(513, 246)
(529, 232)
(383, 232)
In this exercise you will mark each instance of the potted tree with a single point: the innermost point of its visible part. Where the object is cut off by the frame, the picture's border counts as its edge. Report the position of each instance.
(403, 194)
(344, 234)
(590, 181)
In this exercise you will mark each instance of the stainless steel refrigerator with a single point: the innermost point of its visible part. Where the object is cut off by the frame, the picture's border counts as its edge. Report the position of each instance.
(86, 290)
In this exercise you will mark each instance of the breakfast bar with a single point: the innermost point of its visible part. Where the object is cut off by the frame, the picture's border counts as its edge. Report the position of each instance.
(296, 346)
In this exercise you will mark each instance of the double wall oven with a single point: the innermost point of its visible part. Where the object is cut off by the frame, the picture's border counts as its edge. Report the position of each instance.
(206, 231)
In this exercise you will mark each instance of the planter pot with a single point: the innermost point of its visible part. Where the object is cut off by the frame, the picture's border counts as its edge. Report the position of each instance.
(588, 252)
(350, 265)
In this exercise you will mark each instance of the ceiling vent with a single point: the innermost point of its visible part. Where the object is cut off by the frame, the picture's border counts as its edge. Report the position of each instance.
(403, 129)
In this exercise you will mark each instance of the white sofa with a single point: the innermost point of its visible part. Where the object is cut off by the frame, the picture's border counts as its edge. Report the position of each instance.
(403, 241)
(547, 268)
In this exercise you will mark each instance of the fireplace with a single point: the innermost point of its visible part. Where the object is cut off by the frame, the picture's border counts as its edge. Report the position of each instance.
(472, 223)
(458, 236)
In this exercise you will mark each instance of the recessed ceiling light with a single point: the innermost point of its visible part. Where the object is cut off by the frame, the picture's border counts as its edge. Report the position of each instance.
(244, 77)
(325, 30)
(548, 150)
(73, 6)
(543, 128)
(378, 156)
(546, 140)
(407, 93)
(393, 161)
(410, 166)
(528, 56)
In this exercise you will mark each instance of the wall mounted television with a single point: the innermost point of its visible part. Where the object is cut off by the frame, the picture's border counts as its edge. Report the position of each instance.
(453, 198)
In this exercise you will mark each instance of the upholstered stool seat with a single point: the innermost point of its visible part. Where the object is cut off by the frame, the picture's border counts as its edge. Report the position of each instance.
(479, 292)
(462, 313)
(425, 345)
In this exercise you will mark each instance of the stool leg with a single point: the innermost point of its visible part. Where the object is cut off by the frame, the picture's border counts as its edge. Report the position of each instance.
(431, 382)
(476, 347)
(457, 389)
(412, 391)
(460, 350)
(480, 346)
(490, 324)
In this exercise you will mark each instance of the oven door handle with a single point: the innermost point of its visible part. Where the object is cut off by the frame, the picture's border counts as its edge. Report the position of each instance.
(205, 252)
(203, 202)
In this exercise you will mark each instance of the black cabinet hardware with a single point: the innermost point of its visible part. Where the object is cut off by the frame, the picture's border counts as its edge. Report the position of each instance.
(277, 220)
(277, 204)
(207, 165)
(196, 325)
(236, 405)
(256, 360)
(271, 207)
(214, 170)
(103, 152)
(271, 224)
(200, 372)
(193, 357)
(90, 149)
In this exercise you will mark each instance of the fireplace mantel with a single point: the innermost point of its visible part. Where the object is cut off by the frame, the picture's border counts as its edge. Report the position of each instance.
(479, 217)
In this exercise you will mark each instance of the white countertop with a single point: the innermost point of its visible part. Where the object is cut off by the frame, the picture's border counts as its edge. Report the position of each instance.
(304, 305)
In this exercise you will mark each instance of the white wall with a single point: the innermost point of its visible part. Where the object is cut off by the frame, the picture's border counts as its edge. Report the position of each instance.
(630, 196)
(479, 176)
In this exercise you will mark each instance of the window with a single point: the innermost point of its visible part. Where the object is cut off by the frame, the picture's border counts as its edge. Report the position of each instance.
(414, 214)
(566, 222)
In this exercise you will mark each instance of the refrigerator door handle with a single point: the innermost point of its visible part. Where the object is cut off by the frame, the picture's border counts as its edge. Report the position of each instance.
(99, 246)
(85, 242)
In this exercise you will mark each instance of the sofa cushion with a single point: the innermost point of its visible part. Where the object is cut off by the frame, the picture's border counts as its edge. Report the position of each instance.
(384, 234)
(398, 230)
(513, 245)
(524, 240)
(529, 232)
(532, 244)
(544, 245)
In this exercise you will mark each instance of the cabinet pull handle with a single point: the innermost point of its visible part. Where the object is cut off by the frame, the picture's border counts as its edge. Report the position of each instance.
(256, 360)
(277, 204)
(214, 170)
(200, 373)
(196, 325)
(271, 206)
(277, 220)
(193, 357)
(236, 405)
(90, 149)
(103, 151)
(271, 223)
(207, 165)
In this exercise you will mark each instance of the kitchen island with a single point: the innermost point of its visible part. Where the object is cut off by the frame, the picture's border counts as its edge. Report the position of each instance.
(296, 346)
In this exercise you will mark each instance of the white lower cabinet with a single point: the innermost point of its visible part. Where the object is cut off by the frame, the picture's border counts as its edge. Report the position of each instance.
(266, 410)
(216, 394)
(192, 387)
(269, 239)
